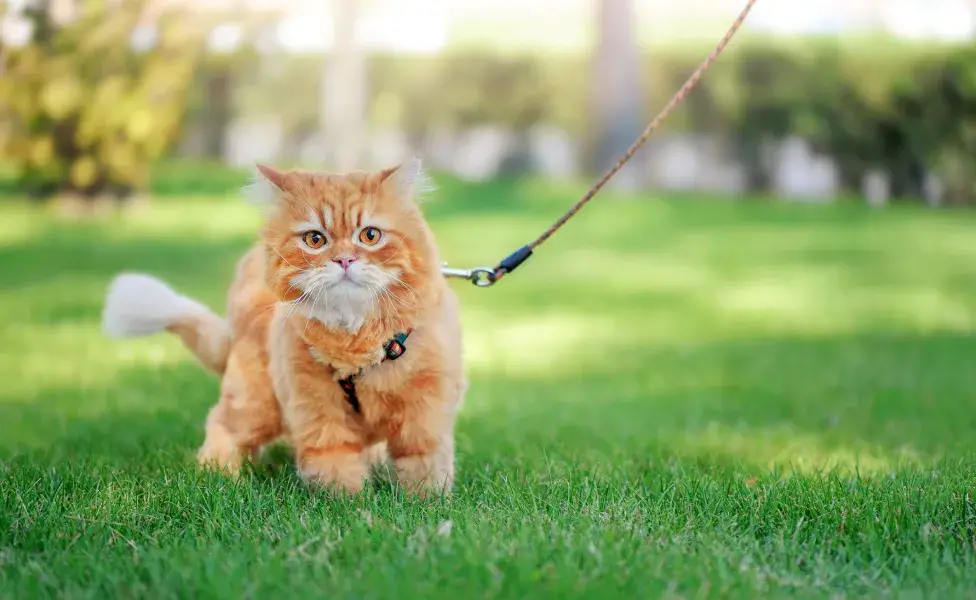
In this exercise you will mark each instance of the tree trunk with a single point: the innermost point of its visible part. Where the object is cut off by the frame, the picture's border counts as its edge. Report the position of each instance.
(616, 90)
(343, 100)
(218, 112)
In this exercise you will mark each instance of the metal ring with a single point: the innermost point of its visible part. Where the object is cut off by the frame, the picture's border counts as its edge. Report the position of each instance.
(483, 276)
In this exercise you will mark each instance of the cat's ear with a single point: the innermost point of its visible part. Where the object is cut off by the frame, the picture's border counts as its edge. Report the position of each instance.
(266, 186)
(408, 180)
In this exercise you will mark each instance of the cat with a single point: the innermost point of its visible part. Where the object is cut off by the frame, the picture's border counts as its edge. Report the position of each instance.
(341, 335)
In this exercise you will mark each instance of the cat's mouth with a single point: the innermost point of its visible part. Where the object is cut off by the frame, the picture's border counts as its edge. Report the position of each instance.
(326, 280)
(348, 278)
(319, 282)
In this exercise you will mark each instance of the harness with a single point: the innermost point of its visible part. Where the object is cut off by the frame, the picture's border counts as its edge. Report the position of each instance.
(393, 350)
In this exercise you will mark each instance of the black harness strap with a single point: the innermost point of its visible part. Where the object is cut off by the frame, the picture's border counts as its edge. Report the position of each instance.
(393, 349)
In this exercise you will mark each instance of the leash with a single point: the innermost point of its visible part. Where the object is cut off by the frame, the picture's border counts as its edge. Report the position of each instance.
(487, 276)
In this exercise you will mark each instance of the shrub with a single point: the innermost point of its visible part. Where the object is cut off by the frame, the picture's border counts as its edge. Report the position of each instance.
(906, 109)
(84, 112)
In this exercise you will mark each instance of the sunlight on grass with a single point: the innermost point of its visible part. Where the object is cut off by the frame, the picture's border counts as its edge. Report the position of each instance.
(531, 345)
(20, 222)
(792, 450)
(812, 301)
(189, 219)
(789, 297)
(75, 355)
(649, 271)
(920, 307)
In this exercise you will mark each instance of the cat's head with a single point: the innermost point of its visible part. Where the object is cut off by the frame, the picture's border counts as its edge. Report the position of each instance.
(346, 247)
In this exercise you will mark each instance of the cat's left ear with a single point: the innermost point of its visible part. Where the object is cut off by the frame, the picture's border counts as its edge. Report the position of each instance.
(408, 179)
(266, 186)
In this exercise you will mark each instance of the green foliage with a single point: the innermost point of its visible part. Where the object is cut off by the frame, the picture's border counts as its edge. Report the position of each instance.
(176, 178)
(938, 113)
(870, 104)
(86, 112)
(167, 178)
(907, 113)
(466, 88)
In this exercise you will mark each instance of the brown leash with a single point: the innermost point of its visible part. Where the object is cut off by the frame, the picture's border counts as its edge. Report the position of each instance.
(486, 276)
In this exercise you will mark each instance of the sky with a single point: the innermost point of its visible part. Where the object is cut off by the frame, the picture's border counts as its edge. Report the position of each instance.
(428, 26)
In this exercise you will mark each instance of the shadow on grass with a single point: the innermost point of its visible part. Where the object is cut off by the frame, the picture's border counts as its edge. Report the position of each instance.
(758, 401)
(870, 402)
(823, 400)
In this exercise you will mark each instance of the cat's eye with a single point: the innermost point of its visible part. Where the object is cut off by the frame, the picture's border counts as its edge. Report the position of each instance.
(313, 239)
(370, 236)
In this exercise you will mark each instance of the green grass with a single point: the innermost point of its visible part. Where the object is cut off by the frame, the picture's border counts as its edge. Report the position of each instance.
(673, 398)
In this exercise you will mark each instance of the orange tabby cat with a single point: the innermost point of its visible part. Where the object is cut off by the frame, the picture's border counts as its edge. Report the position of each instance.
(341, 334)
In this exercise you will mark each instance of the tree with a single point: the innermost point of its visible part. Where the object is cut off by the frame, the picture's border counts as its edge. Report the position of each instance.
(87, 111)
(343, 107)
(616, 86)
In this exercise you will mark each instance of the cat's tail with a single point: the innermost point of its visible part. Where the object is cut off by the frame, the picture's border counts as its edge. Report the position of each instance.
(138, 305)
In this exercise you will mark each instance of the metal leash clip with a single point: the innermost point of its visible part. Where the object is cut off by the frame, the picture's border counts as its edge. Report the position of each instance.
(480, 276)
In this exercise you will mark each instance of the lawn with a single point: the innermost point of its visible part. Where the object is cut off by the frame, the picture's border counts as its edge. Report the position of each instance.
(674, 397)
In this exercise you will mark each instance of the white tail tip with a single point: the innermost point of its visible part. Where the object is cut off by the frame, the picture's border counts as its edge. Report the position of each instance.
(142, 305)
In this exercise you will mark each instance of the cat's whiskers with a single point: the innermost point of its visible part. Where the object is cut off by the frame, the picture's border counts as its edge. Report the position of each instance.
(262, 313)
(407, 287)
(393, 296)
(385, 296)
(295, 304)
(271, 306)
(394, 301)
(374, 296)
(397, 303)
(401, 282)
(381, 296)
(279, 254)
(314, 290)
(392, 256)
(325, 293)
(309, 314)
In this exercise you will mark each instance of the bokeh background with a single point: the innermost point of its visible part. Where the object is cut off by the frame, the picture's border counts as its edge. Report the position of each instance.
(815, 189)
(867, 99)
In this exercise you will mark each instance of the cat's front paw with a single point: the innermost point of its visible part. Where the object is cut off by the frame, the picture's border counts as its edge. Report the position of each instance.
(220, 453)
(339, 470)
(227, 462)
(425, 476)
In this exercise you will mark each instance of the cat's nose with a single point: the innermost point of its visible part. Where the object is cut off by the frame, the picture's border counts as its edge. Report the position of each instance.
(344, 261)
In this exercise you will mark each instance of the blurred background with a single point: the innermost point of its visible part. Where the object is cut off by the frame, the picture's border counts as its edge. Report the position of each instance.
(785, 274)
(873, 100)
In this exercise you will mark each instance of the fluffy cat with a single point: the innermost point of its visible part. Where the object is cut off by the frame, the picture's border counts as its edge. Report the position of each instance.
(346, 275)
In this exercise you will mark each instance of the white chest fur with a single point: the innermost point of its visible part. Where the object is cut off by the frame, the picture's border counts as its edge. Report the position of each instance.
(344, 305)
